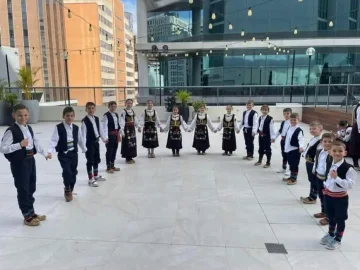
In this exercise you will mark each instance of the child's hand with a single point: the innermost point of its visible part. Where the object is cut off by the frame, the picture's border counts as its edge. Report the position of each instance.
(24, 143)
(48, 156)
(301, 150)
(333, 174)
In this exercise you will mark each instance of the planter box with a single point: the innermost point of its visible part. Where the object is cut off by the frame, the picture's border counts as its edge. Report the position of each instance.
(34, 110)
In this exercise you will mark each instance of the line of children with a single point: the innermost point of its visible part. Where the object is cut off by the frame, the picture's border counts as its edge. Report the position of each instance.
(229, 124)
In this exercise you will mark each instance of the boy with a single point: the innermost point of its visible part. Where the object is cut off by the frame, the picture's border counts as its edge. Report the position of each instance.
(344, 133)
(65, 140)
(111, 129)
(309, 154)
(250, 125)
(294, 146)
(19, 145)
(282, 132)
(320, 172)
(340, 179)
(91, 133)
(266, 136)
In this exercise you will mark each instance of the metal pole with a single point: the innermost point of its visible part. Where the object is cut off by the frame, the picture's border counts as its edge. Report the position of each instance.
(7, 70)
(308, 80)
(347, 93)
(67, 79)
(260, 76)
(292, 76)
(328, 97)
(283, 95)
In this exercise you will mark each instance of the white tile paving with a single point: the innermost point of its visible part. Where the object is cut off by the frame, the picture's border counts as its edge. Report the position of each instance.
(193, 212)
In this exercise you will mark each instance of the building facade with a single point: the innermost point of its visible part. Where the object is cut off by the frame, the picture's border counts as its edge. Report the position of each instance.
(131, 91)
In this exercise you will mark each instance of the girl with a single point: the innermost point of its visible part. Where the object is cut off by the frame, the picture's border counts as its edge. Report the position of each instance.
(201, 136)
(344, 133)
(229, 123)
(174, 141)
(128, 122)
(149, 121)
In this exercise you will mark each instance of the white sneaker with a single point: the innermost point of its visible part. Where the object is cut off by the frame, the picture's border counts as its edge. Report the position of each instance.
(99, 178)
(93, 183)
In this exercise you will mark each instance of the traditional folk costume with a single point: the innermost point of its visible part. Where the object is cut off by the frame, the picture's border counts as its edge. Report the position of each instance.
(23, 167)
(201, 136)
(293, 142)
(266, 134)
(284, 126)
(150, 122)
(229, 124)
(250, 125)
(128, 123)
(111, 131)
(174, 141)
(355, 138)
(65, 140)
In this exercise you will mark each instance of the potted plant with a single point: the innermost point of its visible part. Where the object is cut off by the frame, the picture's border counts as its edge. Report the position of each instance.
(10, 99)
(2, 103)
(183, 97)
(196, 105)
(26, 82)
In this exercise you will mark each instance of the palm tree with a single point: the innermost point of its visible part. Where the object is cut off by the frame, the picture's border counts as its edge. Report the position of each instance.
(26, 80)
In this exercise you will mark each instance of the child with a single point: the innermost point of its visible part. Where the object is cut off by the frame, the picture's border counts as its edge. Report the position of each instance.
(128, 122)
(282, 132)
(91, 133)
(65, 140)
(111, 129)
(344, 133)
(340, 179)
(266, 136)
(250, 125)
(294, 146)
(229, 123)
(309, 154)
(19, 145)
(201, 136)
(174, 141)
(320, 172)
(150, 122)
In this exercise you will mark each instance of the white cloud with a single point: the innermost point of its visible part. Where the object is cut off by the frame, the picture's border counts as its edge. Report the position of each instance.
(130, 6)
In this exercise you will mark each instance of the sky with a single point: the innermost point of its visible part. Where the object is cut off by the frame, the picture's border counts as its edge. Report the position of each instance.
(130, 6)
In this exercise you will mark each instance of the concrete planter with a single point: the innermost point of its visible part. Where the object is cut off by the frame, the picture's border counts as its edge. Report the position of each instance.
(34, 110)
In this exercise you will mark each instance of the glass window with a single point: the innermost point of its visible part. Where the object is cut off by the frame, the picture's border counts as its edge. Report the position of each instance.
(352, 25)
(322, 25)
(323, 9)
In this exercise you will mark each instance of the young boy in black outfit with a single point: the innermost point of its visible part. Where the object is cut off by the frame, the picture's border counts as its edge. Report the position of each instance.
(250, 125)
(111, 128)
(284, 126)
(266, 136)
(19, 145)
(91, 132)
(65, 140)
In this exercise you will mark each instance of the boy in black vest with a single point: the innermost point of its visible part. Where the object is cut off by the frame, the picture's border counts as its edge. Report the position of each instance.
(65, 140)
(266, 136)
(111, 127)
(284, 126)
(91, 132)
(19, 145)
(250, 125)
(294, 146)
(320, 172)
(309, 154)
(341, 178)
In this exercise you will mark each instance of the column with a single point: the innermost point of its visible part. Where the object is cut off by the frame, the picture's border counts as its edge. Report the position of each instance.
(141, 12)
(196, 21)
(143, 74)
(196, 71)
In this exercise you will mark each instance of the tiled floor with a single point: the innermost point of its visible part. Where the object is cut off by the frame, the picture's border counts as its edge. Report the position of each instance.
(193, 212)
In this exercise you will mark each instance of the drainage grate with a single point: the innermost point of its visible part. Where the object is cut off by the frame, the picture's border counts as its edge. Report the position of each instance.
(276, 248)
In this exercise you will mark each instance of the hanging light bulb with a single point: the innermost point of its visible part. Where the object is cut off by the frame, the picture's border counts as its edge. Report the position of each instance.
(230, 26)
(213, 16)
(210, 26)
(69, 14)
(253, 39)
(152, 38)
(207, 55)
(243, 54)
(300, 0)
(277, 53)
(295, 31)
(90, 27)
(267, 38)
(210, 51)
(226, 47)
(269, 45)
(260, 54)
(250, 12)
(166, 54)
(242, 33)
(288, 51)
(197, 53)
(284, 51)
(279, 49)
(225, 54)
(331, 24)
(274, 48)
(191, 1)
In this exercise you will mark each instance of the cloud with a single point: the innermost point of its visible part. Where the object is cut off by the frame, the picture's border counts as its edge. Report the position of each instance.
(130, 6)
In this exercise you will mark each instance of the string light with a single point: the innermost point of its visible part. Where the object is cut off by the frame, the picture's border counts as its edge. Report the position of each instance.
(230, 26)
(226, 47)
(243, 54)
(213, 16)
(250, 12)
(152, 38)
(253, 39)
(331, 24)
(288, 51)
(197, 53)
(210, 26)
(69, 14)
(267, 38)
(90, 27)
(279, 49)
(295, 31)
(260, 54)
(207, 55)
(210, 51)
(274, 48)
(242, 33)
(269, 45)
(166, 54)
(191, 2)
(284, 51)
(175, 55)
(277, 53)
(300, 0)
(226, 55)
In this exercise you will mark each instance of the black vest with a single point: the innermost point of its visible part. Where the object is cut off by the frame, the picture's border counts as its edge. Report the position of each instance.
(230, 124)
(329, 161)
(250, 118)
(148, 118)
(18, 136)
(90, 133)
(294, 139)
(281, 127)
(111, 122)
(62, 143)
(341, 171)
(266, 126)
(355, 111)
(311, 152)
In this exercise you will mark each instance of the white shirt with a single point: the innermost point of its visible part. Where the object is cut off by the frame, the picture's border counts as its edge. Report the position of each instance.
(7, 146)
(105, 122)
(228, 118)
(311, 143)
(151, 114)
(289, 134)
(69, 138)
(84, 129)
(321, 164)
(246, 122)
(345, 184)
(345, 134)
(202, 117)
(284, 130)
(272, 129)
(175, 117)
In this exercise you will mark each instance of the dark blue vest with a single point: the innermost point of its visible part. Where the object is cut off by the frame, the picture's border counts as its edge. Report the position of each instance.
(250, 118)
(90, 133)
(111, 123)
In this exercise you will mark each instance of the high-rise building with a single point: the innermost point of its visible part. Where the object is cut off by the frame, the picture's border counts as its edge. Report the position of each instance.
(130, 57)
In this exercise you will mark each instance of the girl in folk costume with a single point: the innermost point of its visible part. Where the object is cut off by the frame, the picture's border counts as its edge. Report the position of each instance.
(128, 122)
(174, 141)
(149, 121)
(229, 123)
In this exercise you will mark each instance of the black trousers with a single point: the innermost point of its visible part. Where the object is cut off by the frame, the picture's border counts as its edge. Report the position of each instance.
(294, 160)
(24, 173)
(265, 147)
(69, 163)
(284, 154)
(249, 141)
(92, 155)
(175, 150)
(312, 179)
(337, 212)
(111, 149)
